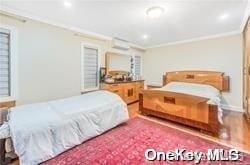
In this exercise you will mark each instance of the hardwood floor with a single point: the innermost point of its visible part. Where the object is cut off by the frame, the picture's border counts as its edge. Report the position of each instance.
(234, 133)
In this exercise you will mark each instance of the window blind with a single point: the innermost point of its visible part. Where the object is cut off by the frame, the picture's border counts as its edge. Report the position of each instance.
(90, 68)
(4, 63)
(137, 65)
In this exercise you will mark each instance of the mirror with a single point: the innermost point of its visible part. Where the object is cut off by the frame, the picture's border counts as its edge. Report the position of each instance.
(118, 62)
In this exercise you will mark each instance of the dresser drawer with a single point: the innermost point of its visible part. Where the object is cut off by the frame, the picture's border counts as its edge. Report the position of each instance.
(128, 91)
(110, 86)
(118, 91)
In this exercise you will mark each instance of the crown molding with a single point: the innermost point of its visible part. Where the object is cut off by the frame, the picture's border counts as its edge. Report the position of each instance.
(135, 46)
(51, 22)
(64, 26)
(108, 38)
(242, 26)
(196, 39)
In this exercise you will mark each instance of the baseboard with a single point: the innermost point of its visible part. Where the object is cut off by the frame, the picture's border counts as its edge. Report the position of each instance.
(232, 108)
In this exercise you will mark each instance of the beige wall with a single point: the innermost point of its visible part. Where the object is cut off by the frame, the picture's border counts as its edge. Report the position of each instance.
(220, 54)
(49, 60)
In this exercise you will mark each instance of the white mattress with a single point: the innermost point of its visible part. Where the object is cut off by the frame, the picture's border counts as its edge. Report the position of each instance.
(43, 130)
(202, 90)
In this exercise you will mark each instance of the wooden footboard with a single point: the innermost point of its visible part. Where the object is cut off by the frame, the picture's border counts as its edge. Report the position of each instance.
(182, 108)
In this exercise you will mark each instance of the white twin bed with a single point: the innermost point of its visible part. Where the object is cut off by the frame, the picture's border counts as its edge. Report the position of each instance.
(43, 130)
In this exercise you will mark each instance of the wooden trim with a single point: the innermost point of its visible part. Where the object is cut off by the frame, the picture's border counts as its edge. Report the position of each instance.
(215, 79)
(246, 68)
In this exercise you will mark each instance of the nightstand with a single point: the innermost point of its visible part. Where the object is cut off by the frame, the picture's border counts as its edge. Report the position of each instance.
(4, 106)
(2, 151)
(7, 103)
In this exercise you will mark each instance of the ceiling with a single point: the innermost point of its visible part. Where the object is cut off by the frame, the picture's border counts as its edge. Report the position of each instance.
(181, 20)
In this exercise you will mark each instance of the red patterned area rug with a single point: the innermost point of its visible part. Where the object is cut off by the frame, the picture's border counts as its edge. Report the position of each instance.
(127, 143)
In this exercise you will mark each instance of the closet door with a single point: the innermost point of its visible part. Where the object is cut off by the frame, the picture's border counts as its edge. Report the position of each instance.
(248, 65)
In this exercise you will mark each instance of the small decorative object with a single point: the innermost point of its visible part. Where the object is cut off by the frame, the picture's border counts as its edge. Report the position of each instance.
(102, 73)
(128, 79)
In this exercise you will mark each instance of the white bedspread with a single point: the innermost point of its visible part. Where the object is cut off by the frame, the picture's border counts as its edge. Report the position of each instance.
(201, 90)
(43, 130)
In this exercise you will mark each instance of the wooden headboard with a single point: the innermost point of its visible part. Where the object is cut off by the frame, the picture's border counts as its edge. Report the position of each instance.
(216, 79)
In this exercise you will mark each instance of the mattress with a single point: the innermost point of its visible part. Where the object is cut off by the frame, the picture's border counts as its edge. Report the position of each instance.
(43, 130)
(201, 90)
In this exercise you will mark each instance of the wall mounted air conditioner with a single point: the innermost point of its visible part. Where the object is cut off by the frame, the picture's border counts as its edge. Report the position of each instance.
(120, 44)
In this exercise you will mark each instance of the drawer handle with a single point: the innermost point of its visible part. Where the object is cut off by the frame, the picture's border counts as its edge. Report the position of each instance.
(130, 92)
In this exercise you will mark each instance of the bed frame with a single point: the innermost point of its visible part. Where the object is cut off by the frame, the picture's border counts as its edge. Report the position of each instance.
(183, 108)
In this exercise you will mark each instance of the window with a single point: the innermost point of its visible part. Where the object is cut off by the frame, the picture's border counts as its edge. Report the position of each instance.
(7, 62)
(90, 67)
(137, 65)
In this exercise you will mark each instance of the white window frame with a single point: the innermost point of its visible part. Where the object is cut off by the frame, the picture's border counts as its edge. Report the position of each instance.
(134, 64)
(94, 46)
(13, 62)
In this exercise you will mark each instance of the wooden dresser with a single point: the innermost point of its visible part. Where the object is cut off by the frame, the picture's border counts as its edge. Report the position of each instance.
(127, 90)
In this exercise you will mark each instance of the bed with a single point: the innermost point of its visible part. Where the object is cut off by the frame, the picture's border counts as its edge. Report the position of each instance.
(191, 98)
(43, 130)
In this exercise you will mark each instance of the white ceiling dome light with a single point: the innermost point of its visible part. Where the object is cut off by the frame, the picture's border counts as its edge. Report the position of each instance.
(67, 3)
(145, 36)
(224, 16)
(155, 12)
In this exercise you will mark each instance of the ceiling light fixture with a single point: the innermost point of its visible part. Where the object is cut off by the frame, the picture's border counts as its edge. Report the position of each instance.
(155, 12)
(67, 4)
(223, 16)
(145, 36)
